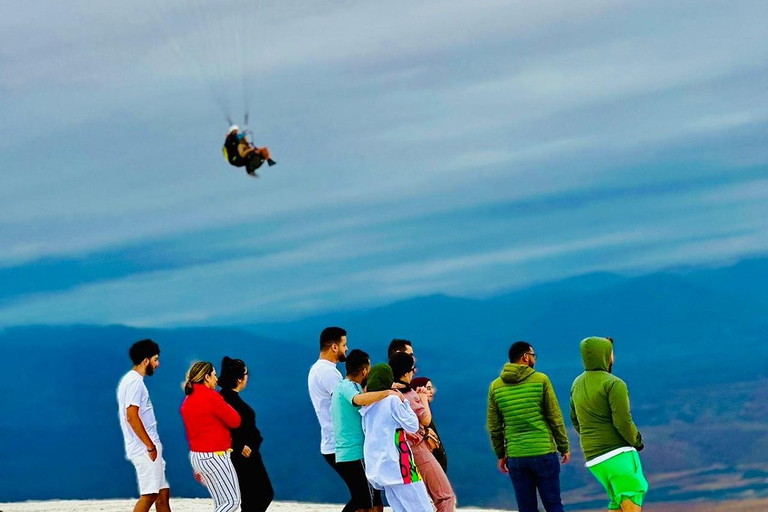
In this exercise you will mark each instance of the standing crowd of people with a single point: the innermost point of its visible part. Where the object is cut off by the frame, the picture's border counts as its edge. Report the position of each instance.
(376, 427)
(221, 430)
(379, 435)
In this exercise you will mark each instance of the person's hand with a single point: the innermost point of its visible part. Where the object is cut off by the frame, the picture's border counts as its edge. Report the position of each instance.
(199, 478)
(423, 393)
(397, 385)
(399, 395)
(246, 451)
(152, 454)
(566, 457)
(503, 465)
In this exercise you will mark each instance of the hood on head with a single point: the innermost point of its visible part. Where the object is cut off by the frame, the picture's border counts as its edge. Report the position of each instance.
(596, 353)
(514, 373)
(380, 377)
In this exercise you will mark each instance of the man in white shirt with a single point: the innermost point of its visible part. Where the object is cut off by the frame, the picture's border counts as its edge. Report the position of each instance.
(139, 426)
(323, 378)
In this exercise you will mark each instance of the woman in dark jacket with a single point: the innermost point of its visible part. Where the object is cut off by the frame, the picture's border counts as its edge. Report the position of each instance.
(438, 451)
(255, 486)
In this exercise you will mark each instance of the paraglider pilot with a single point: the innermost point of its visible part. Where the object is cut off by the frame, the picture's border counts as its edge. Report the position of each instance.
(239, 152)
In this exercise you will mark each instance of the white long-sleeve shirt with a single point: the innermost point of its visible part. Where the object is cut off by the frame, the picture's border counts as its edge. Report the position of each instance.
(386, 449)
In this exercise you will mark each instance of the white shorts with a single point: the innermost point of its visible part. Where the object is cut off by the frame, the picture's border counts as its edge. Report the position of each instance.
(150, 474)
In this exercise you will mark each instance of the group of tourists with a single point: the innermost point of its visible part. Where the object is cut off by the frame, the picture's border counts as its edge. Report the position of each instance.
(378, 432)
(221, 430)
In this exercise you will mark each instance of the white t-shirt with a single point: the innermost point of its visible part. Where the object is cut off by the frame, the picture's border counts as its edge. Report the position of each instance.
(132, 391)
(323, 377)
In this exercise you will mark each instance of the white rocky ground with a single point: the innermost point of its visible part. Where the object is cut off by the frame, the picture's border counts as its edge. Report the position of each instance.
(177, 505)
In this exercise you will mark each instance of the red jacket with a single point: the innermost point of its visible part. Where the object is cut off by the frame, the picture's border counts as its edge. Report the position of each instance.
(207, 420)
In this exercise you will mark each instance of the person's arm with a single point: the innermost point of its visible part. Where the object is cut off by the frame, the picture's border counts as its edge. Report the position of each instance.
(422, 411)
(132, 415)
(245, 149)
(425, 415)
(404, 416)
(135, 394)
(225, 412)
(374, 396)
(240, 435)
(555, 419)
(495, 424)
(574, 417)
(618, 398)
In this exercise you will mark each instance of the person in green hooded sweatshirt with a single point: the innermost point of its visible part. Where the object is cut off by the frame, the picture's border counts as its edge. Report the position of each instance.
(609, 438)
(527, 430)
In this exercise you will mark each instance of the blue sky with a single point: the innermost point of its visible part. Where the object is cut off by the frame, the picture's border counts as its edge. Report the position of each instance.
(438, 147)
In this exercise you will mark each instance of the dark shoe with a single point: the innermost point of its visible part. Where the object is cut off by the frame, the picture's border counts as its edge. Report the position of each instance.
(271, 162)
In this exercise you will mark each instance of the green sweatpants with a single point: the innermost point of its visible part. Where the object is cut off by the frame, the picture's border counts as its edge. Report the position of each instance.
(622, 477)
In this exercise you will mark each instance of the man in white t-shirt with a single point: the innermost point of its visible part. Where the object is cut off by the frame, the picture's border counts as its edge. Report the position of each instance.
(323, 378)
(139, 426)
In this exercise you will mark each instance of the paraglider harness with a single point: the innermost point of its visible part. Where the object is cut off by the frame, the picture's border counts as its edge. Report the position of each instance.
(230, 151)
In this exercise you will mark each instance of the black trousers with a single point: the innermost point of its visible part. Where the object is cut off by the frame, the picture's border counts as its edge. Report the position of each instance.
(361, 492)
(255, 487)
(253, 162)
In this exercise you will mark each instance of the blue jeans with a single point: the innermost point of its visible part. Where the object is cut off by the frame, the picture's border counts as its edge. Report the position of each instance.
(531, 473)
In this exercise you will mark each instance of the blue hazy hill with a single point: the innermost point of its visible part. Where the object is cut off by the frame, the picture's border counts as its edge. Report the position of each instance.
(689, 343)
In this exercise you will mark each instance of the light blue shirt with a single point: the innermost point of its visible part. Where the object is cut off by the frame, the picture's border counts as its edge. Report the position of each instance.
(347, 422)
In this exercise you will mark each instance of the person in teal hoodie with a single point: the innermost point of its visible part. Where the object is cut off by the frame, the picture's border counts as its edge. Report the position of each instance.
(609, 438)
(527, 430)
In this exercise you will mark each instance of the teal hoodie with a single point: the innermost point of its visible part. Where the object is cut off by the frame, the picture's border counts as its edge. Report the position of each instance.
(524, 418)
(600, 403)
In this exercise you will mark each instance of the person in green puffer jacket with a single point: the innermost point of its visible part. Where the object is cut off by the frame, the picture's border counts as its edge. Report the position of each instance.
(527, 430)
(609, 438)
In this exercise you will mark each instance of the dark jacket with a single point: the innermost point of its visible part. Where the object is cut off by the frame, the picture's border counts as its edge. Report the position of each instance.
(247, 434)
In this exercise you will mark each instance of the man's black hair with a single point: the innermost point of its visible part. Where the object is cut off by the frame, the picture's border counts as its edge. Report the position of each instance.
(143, 349)
(397, 345)
(232, 370)
(401, 363)
(517, 350)
(329, 336)
(357, 361)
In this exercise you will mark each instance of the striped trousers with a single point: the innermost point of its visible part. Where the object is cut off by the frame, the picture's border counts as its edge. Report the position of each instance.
(218, 475)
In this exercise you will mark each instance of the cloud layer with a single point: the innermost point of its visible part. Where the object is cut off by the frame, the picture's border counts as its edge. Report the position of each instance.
(422, 149)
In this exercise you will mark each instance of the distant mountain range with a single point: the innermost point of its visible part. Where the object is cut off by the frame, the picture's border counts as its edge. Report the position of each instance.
(691, 345)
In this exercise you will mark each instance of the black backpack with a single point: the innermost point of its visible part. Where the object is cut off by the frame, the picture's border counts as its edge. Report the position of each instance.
(230, 151)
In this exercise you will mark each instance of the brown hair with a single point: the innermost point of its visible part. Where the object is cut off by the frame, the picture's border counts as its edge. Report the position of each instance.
(196, 375)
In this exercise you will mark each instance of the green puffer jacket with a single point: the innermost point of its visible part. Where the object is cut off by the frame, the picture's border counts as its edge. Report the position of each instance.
(600, 403)
(523, 414)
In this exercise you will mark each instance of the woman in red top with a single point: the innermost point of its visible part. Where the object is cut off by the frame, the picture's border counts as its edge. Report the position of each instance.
(207, 420)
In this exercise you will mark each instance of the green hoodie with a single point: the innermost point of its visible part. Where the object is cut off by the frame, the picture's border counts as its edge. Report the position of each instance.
(523, 414)
(600, 403)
